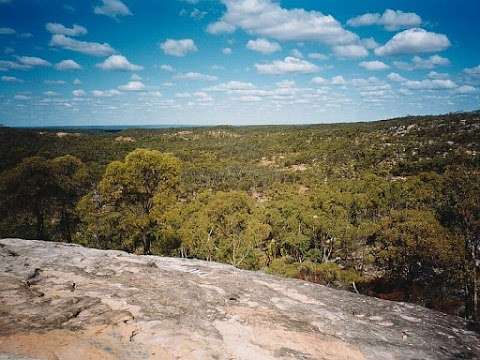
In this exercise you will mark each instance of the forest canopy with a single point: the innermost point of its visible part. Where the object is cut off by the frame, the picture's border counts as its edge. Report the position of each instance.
(389, 208)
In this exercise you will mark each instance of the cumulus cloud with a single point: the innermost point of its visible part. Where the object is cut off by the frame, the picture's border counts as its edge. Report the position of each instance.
(112, 8)
(105, 93)
(412, 41)
(374, 65)
(267, 18)
(21, 97)
(84, 47)
(12, 65)
(423, 63)
(318, 80)
(391, 20)
(32, 61)
(436, 75)
(79, 93)
(286, 66)
(338, 80)
(56, 28)
(263, 46)
(317, 56)
(396, 77)
(67, 65)
(166, 67)
(428, 84)
(11, 79)
(465, 89)
(227, 51)
(7, 31)
(195, 76)
(474, 71)
(220, 27)
(350, 51)
(178, 48)
(232, 86)
(77, 82)
(132, 86)
(118, 63)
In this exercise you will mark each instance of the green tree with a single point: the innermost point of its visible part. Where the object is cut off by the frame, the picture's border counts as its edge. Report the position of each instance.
(130, 199)
(224, 226)
(412, 245)
(461, 211)
(71, 180)
(27, 191)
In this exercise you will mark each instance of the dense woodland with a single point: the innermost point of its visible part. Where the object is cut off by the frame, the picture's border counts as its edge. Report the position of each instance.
(389, 208)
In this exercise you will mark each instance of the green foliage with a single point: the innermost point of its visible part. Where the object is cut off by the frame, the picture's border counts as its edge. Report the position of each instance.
(412, 245)
(224, 227)
(395, 201)
(130, 200)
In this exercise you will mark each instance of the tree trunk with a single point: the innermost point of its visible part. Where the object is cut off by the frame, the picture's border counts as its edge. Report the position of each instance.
(40, 226)
(147, 242)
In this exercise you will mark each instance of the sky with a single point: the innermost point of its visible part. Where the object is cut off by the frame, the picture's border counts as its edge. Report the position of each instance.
(236, 62)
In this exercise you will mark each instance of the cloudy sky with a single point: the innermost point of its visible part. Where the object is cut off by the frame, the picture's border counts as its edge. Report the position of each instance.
(105, 62)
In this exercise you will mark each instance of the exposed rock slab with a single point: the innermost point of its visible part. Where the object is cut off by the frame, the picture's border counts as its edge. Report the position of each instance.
(91, 304)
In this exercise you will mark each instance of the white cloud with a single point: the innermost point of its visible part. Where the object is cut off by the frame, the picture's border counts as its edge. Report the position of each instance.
(220, 27)
(436, 75)
(414, 41)
(392, 20)
(267, 18)
(7, 31)
(286, 84)
(79, 93)
(423, 63)
(32, 61)
(77, 82)
(135, 77)
(232, 86)
(370, 43)
(428, 84)
(12, 79)
(350, 51)
(112, 8)
(67, 65)
(374, 65)
(12, 65)
(465, 89)
(320, 80)
(196, 76)
(474, 71)
(338, 80)
(317, 56)
(21, 97)
(132, 86)
(396, 77)
(286, 66)
(263, 46)
(178, 47)
(105, 93)
(118, 63)
(84, 47)
(227, 51)
(168, 68)
(75, 30)
(296, 53)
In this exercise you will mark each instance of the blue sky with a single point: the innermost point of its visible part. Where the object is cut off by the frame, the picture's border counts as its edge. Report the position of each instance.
(235, 62)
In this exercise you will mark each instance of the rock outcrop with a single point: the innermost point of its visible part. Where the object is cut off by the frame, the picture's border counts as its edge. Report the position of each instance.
(61, 301)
